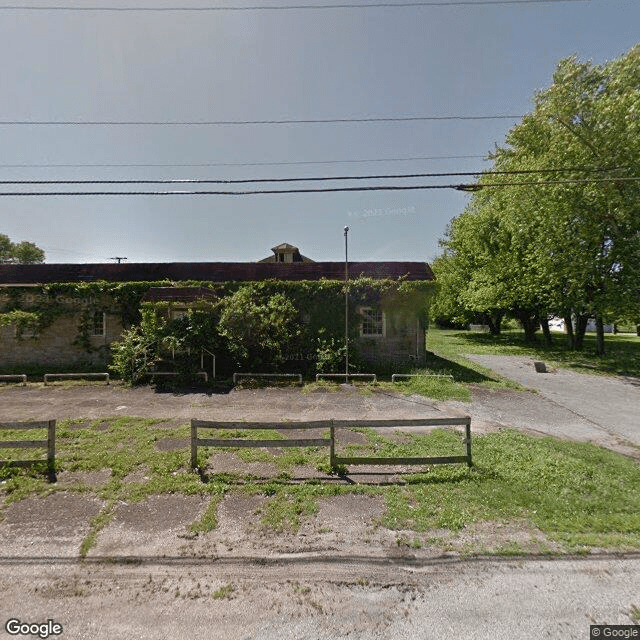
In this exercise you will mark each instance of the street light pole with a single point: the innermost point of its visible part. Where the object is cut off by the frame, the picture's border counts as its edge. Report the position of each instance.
(346, 306)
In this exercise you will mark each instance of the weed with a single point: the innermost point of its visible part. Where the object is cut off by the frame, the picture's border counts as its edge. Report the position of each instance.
(97, 523)
(223, 592)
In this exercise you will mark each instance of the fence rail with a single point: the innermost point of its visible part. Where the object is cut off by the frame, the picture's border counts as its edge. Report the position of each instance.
(395, 376)
(229, 442)
(49, 443)
(64, 376)
(297, 376)
(412, 422)
(373, 376)
(331, 442)
(19, 376)
(152, 374)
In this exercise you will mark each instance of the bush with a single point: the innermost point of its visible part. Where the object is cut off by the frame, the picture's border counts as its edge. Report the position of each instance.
(259, 329)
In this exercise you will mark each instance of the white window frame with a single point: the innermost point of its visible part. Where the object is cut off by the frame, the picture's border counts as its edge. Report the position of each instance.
(93, 324)
(383, 322)
(27, 332)
(179, 312)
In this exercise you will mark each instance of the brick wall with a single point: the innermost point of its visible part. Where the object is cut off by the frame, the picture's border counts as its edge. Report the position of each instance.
(56, 345)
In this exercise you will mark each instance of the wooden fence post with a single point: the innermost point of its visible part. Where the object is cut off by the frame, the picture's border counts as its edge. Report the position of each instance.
(467, 429)
(51, 444)
(332, 445)
(194, 444)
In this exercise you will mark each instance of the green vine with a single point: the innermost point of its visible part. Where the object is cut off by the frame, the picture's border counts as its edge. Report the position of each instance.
(317, 300)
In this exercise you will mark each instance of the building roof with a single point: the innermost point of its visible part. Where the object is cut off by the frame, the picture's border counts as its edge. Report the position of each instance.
(177, 294)
(26, 274)
(285, 246)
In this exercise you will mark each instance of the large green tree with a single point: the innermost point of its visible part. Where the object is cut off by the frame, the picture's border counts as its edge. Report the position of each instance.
(19, 253)
(565, 220)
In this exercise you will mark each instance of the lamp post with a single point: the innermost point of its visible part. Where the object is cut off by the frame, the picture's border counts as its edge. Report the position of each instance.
(346, 306)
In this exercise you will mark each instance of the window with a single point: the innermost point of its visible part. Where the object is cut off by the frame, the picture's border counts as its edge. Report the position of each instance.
(27, 331)
(178, 313)
(97, 323)
(372, 322)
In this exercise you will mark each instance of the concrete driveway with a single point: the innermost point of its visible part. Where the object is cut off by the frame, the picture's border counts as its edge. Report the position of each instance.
(600, 409)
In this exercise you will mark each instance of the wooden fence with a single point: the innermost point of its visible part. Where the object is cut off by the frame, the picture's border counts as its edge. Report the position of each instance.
(331, 442)
(414, 422)
(49, 443)
(237, 442)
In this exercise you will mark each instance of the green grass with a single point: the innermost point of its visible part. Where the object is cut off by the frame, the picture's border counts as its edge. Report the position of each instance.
(223, 592)
(622, 353)
(578, 495)
(430, 387)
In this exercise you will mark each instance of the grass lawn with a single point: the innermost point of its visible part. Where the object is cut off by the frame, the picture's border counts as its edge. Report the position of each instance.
(449, 346)
(577, 495)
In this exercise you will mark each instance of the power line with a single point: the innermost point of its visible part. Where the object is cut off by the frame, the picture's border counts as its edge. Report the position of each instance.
(198, 123)
(372, 5)
(395, 176)
(238, 164)
(459, 187)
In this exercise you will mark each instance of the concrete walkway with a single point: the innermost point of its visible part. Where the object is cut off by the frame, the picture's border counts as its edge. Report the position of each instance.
(600, 409)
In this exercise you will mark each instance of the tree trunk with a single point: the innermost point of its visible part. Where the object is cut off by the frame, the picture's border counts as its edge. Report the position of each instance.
(581, 328)
(494, 321)
(568, 323)
(638, 329)
(599, 335)
(544, 323)
(530, 323)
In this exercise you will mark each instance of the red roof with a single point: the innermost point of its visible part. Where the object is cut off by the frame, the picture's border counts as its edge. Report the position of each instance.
(24, 274)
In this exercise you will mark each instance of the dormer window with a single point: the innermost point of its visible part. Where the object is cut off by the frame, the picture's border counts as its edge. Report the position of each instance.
(286, 253)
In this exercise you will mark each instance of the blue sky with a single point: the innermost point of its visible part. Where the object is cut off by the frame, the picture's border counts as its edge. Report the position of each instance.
(481, 60)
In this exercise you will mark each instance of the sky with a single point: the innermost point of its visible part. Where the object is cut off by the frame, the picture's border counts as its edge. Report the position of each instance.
(231, 66)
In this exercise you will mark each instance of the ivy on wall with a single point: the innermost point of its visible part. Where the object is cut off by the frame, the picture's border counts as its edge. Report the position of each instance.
(320, 303)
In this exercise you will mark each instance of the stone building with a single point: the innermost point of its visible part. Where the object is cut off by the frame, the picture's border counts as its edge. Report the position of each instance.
(64, 316)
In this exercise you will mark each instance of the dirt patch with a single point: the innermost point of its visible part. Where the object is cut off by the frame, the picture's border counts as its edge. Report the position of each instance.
(498, 537)
(54, 525)
(172, 444)
(225, 462)
(149, 528)
(83, 478)
(138, 476)
(350, 516)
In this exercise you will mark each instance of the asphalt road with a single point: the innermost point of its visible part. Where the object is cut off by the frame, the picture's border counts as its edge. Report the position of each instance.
(312, 598)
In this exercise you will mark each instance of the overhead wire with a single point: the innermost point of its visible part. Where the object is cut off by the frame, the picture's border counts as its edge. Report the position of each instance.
(367, 5)
(236, 164)
(207, 123)
(395, 176)
(459, 187)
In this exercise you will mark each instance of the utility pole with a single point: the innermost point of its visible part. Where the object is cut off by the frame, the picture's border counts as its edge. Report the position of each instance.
(346, 306)
(119, 259)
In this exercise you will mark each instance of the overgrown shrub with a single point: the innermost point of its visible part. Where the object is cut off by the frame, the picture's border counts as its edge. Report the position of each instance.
(258, 329)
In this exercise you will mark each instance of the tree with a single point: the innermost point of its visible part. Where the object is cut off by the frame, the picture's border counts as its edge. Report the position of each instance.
(20, 253)
(565, 242)
(258, 329)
